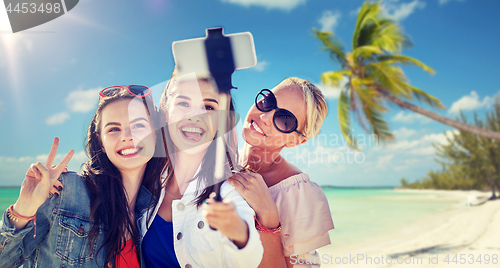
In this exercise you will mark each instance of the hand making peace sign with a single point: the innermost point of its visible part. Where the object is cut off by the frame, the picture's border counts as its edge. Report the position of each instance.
(38, 182)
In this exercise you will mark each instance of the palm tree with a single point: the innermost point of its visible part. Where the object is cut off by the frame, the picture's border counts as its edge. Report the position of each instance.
(373, 76)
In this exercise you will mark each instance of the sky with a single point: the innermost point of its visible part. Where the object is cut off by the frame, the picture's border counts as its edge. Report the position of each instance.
(50, 75)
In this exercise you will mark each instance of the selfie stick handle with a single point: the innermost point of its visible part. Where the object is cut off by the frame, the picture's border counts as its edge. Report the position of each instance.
(221, 66)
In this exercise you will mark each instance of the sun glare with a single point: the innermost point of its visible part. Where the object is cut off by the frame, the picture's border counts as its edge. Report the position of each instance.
(8, 41)
(4, 21)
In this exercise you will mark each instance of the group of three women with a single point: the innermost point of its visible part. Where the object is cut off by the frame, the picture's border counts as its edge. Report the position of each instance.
(118, 213)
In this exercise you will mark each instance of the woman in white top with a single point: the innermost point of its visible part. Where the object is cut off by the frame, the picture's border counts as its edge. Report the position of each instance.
(181, 220)
(287, 116)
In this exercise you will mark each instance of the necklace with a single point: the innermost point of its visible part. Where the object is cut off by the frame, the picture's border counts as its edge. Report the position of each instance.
(171, 195)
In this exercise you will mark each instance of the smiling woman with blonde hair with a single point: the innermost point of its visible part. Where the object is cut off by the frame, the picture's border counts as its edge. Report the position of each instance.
(292, 213)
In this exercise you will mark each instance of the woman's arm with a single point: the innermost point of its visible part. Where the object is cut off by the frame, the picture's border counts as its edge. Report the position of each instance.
(255, 191)
(37, 184)
(34, 190)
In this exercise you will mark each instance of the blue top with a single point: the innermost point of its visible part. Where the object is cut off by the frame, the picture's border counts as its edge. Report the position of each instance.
(158, 245)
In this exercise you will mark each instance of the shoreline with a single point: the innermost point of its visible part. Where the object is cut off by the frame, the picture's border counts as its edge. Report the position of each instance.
(462, 229)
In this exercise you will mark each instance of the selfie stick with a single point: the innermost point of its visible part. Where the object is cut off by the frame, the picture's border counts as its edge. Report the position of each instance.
(220, 56)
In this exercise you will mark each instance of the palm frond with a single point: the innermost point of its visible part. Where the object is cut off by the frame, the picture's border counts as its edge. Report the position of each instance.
(366, 93)
(427, 98)
(406, 60)
(390, 78)
(334, 78)
(373, 29)
(388, 36)
(367, 18)
(331, 45)
(345, 119)
(366, 51)
(379, 126)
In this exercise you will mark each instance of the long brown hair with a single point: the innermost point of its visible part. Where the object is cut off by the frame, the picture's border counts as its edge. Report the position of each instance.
(109, 210)
(206, 174)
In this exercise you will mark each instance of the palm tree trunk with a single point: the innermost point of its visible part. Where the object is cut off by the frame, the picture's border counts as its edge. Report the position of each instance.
(492, 186)
(445, 120)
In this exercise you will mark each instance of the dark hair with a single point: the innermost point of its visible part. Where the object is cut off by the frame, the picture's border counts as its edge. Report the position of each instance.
(109, 210)
(206, 174)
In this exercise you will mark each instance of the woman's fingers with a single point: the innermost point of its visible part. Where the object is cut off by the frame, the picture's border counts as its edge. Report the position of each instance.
(236, 183)
(52, 153)
(62, 166)
(43, 171)
(58, 185)
(54, 190)
(216, 211)
(33, 172)
(243, 176)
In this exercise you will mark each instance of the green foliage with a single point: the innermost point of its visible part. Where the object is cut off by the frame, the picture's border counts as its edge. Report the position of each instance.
(372, 68)
(468, 161)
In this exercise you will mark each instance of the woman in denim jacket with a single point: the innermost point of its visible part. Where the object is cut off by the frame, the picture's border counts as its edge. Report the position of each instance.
(93, 222)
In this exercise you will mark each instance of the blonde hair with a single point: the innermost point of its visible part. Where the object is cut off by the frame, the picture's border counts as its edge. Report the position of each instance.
(316, 107)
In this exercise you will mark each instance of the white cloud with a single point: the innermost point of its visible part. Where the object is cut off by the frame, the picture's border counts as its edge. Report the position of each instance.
(440, 138)
(471, 102)
(329, 92)
(83, 100)
(384, 161)
(332, 92)
(400, 11)
(261, 65)
(444, 2)
(79, 157)
(410, 118)
(28, 159)
(285, 5)
(329, 20)
(57, 119)
(422, 146)
(403, 133)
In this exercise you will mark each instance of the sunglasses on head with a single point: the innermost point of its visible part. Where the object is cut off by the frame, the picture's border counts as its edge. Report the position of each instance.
(136, 90)
(284, 120)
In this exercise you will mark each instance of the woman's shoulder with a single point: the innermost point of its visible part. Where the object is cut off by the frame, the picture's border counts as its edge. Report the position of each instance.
(74, 197)
(71, 178)
(295, 182)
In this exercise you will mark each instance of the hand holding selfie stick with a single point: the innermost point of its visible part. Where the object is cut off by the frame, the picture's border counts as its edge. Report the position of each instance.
(219, 56)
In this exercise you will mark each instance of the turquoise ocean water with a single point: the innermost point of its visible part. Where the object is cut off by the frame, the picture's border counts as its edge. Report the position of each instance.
(357, 214)
(8, 196)
(361, 214)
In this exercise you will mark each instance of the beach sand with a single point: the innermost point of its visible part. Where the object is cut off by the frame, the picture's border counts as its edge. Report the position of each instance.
(463, 234)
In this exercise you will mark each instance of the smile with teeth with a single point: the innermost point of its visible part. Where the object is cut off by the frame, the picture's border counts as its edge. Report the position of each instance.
(129, 151)
(193, 133)
(257, 128)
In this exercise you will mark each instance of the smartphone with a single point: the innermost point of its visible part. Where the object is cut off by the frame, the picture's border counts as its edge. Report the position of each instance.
(190, 55)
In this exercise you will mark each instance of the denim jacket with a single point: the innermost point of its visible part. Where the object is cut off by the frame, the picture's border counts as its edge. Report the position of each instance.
(62, 231)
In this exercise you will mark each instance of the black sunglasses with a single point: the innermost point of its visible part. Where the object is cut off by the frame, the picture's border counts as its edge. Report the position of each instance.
(284, 120)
